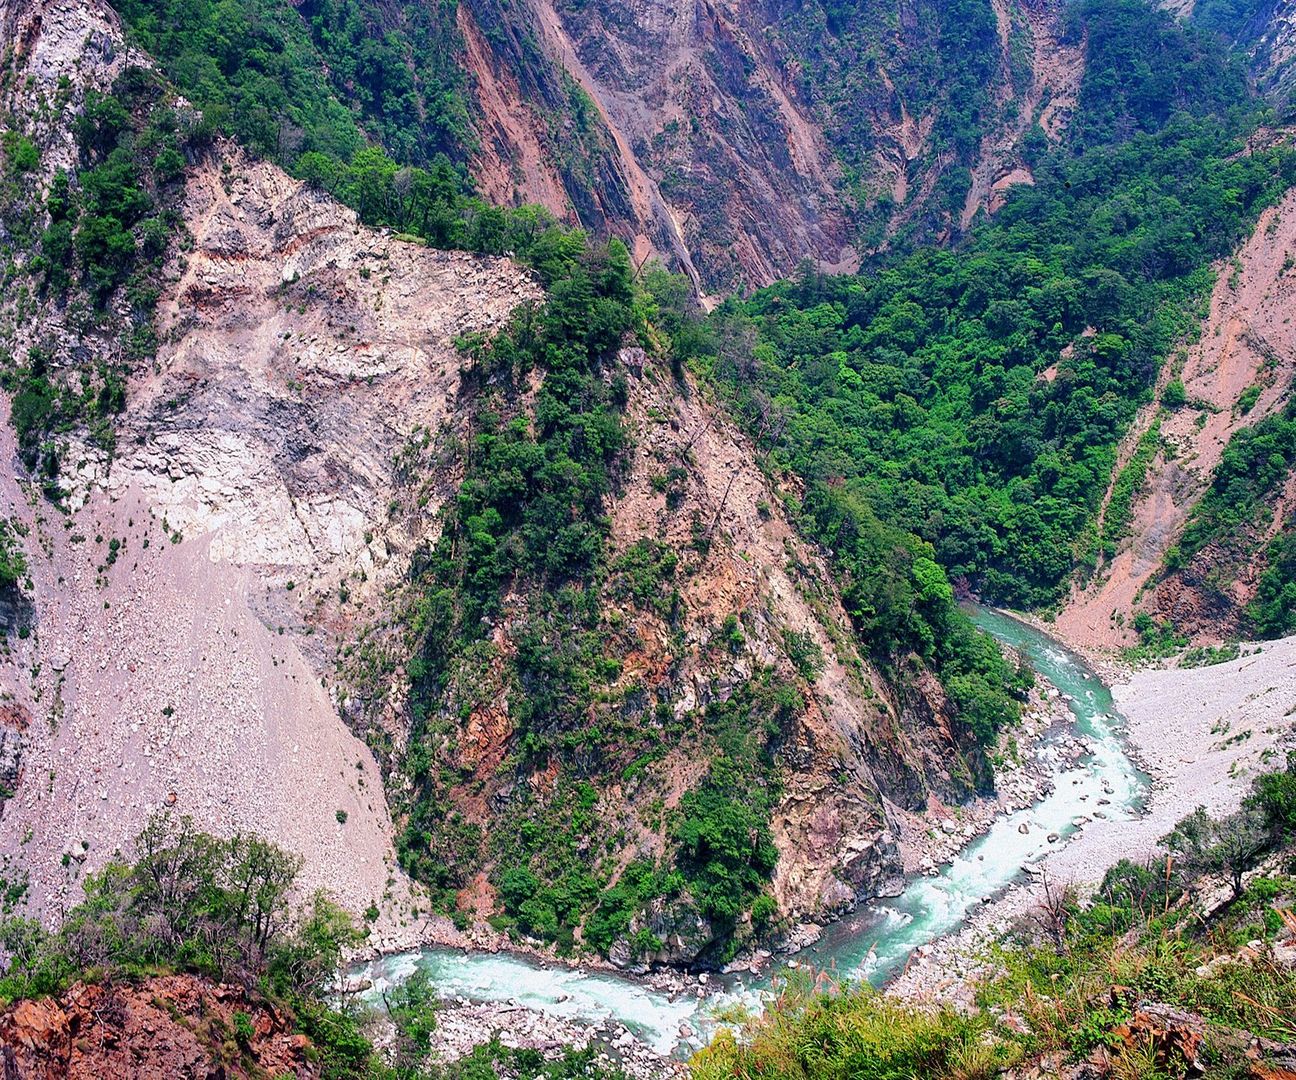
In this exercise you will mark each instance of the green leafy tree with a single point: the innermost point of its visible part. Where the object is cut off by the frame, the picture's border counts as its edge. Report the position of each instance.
(1225, 846)
(1274, 796)
(412, 1006)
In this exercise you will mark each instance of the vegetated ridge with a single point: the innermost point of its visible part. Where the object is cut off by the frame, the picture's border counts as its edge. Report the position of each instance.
(1217, 418)
(525, 559)
(730, 140)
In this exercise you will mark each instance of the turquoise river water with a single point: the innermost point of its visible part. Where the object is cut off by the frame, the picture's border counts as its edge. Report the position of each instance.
(875, 942)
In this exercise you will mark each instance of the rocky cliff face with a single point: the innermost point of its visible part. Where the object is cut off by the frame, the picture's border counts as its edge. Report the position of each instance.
(1270, 37)
(1265, 30)
(862, 743)
(737, 139)
(163, 1028)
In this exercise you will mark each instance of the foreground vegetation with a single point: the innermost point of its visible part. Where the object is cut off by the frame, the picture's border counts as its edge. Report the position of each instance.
(1139, 978)
(223, 909)
(1137, 981)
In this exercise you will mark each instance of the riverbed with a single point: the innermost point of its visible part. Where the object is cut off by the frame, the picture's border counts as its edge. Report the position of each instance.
(873, 944)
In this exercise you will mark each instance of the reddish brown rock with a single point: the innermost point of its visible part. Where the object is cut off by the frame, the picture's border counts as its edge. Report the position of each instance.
(171, 1027)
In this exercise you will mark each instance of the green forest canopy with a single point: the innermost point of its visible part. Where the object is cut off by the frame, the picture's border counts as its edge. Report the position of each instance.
(974, 398)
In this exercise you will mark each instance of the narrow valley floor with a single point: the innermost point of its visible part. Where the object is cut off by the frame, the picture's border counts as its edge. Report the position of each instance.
(1201, 733)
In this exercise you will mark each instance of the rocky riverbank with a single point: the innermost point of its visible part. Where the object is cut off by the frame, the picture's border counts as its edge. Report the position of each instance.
(1201, 734)
(463, 1025)
(1026, 757)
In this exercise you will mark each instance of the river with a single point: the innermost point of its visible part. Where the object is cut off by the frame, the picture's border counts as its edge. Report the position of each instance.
(875, 942)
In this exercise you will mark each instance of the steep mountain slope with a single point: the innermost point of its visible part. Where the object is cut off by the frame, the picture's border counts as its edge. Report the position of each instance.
(747, 137)
(732, 140)
(268, 461)
(1264, 29)
(981, 399)
(1237, 373)
(720, 624)
(168, 654)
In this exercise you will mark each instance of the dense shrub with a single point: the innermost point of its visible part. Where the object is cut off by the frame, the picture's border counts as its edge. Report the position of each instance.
(1273, 610)
(1256, 460)
(13, 562)
(857, 1033)
(192, 902)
